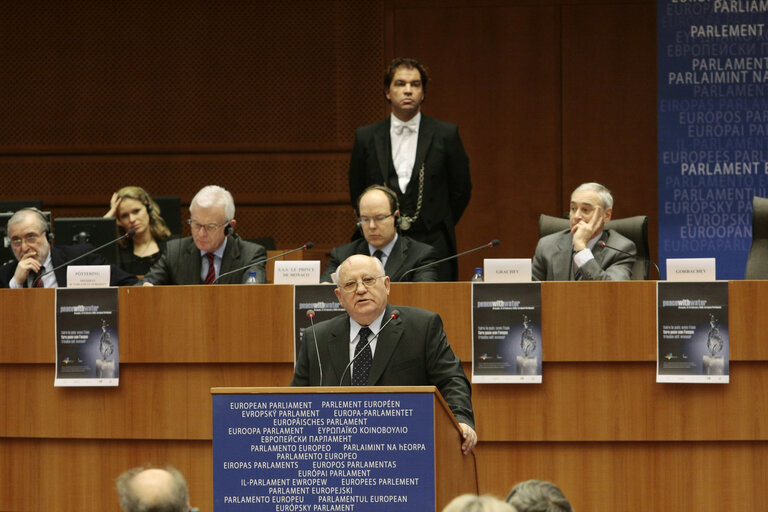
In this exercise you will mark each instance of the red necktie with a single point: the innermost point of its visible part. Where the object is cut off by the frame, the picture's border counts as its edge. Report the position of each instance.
(38, 280)
(211, 276)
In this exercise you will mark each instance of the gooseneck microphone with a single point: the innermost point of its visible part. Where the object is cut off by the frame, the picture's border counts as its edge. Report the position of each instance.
(311, 316)
(128, 234)
(492, 243)
(307, 245)
(603, 245)
(395, 313)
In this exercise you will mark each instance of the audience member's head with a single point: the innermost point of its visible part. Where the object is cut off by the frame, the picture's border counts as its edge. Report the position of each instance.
(134, 209)
(472, 503)
(212, 218)
(379, 212)
(150, 489)
(538, 496)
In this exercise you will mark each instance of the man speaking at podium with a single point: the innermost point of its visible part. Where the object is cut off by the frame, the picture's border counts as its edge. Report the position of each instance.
(363, 349)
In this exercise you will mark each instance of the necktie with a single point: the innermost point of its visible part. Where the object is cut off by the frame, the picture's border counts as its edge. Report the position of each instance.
(210, 277)
(378, 254)
(362, 365)
(36, 282)
(404, 128)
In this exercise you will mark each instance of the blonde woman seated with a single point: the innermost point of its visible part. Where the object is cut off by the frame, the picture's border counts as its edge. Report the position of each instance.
(134, 209)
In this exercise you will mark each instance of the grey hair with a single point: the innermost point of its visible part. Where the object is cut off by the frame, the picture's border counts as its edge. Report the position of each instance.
(175, 500)
(22, 214)
(538, 496)
(214, 195)
(472, 503)
(602, 192)
(337, 274)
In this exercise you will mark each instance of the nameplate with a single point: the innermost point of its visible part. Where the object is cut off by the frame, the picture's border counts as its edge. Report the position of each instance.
(297, 272)
(87, 276)
(691, 269)
(507, 270)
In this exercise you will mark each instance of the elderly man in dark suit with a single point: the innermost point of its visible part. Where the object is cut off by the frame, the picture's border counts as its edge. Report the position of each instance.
(411, 350)
(586, 251)
(404, 258)
(28, 231)
(419, 157)
(212, 250)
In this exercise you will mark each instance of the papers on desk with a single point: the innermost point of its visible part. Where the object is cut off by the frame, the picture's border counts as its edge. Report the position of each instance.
(87, 337)
(506, 333)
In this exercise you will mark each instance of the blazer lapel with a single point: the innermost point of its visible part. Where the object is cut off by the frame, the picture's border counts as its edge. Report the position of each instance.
(193, 265)
(338, 346)
(562, 261)
(598, 252)
(386, 344)
(57, 258)
(383, 148)
(231, 255)
(396, 258)
(426, 133)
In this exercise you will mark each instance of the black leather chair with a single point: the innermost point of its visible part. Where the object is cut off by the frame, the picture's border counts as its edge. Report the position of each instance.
(634, 228)
(757, 261)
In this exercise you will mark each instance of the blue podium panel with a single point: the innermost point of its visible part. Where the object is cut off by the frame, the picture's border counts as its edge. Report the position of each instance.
(324, 452)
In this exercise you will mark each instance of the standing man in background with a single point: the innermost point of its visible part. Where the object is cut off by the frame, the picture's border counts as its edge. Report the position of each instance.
(419, 157)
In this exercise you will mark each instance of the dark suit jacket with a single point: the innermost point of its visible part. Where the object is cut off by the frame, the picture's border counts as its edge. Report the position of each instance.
(406, 254)
(60, 254)
(411, 351)
(181, 262)
(554, 258)
(447, 183)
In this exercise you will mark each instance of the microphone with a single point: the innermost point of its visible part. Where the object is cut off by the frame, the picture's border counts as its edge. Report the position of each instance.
(603, 245)
(128, 234)
(311, 316)
(307, 245)
(492, 243)
(395, 313)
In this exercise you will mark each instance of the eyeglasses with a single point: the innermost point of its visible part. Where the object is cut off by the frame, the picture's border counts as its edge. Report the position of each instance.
(351, 286)
(377, 219)
(31, 239)
(196, 226)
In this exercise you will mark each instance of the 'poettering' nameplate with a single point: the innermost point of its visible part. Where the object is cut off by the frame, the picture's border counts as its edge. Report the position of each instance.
(692, 323)
(324, 451)
(88, 276)
(506, 333)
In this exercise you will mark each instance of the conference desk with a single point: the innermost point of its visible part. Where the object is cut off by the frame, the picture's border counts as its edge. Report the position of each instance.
(598, 425)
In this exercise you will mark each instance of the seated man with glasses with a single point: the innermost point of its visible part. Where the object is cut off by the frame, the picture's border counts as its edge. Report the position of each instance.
(378, 344)
(402, 256)
(37, 261)
(213, 250)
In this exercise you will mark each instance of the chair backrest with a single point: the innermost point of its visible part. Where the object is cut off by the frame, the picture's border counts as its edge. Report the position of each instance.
(170, 210)
(635, 228)
(757, 261)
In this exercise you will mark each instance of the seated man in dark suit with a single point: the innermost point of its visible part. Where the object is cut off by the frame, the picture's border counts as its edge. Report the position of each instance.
(586, 251)
(28, 231)
(212, 250)
(412, 351)
(402, 256)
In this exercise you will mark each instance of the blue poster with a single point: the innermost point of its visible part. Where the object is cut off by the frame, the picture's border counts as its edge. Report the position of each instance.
(712, 128)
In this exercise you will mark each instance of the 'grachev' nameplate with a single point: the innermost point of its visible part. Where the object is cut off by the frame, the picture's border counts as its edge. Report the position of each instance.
(507, 270)
(691, 269)
(87, 276)
(297, 272)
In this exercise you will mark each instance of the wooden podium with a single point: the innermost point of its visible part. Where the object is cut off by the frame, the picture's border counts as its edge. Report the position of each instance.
(307, 445)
